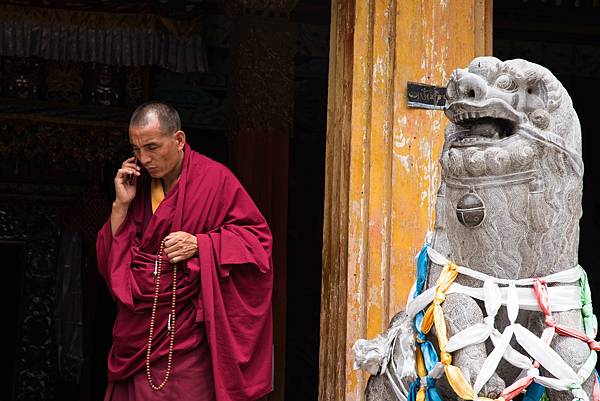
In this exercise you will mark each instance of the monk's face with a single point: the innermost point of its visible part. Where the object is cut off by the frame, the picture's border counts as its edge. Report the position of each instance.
(158, 152)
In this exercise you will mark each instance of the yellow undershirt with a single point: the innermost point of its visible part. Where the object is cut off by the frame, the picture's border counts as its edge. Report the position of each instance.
(157, 193)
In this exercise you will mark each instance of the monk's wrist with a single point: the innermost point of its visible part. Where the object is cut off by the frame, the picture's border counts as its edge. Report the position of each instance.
(120, 206)
(117, 216)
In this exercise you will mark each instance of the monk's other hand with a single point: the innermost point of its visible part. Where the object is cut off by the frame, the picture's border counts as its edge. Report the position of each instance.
(180, 246)
(124, 188)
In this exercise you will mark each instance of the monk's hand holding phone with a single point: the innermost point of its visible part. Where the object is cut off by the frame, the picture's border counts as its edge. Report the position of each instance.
(125, 181)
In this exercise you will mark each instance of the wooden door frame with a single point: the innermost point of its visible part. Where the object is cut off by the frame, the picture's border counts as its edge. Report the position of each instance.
(360, 32)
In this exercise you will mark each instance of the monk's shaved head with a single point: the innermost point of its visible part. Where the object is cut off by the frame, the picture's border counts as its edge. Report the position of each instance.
(166, 114)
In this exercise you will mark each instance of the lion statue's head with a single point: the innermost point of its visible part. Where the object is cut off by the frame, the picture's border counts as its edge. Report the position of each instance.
(510, 197)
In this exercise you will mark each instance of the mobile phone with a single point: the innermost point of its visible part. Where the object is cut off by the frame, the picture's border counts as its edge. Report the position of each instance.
(131, 178)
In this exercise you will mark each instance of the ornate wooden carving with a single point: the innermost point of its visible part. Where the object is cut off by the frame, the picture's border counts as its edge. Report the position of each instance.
(65, 82)
(107, 84)
(267, 8)
(62, 144)
(136, 85)
(261, 76)
(22, 77)
(35, 363)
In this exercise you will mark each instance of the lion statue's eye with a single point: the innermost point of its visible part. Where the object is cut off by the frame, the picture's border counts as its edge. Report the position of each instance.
(506, 83)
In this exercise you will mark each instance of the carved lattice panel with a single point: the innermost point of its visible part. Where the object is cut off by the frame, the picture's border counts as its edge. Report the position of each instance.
(35, 359)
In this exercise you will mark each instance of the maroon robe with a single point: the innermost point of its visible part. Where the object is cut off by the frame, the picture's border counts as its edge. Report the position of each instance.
(223, 294)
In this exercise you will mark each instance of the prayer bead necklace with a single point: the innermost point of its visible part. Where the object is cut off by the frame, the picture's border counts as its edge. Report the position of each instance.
(170, 323)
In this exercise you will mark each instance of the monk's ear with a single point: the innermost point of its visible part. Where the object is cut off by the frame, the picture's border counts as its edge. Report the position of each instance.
(180, 138)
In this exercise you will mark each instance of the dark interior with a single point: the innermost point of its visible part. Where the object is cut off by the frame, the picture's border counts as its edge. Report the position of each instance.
(63, 132)
(563, 36)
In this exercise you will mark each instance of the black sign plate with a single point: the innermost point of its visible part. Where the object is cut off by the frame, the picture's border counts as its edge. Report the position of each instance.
(425, 96)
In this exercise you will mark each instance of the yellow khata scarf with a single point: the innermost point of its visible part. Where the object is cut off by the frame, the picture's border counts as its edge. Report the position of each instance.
(434, 316)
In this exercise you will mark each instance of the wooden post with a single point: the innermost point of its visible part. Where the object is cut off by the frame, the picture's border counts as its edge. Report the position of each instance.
(382, 167)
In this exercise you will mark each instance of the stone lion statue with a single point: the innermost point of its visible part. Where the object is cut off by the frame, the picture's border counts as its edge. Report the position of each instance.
(508, 206)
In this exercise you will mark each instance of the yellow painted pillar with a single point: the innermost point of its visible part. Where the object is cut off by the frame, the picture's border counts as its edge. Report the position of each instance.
(382, 167)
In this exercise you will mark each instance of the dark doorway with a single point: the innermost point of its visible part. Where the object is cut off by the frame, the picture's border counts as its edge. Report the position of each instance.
(563, 36)
(306, 197)
(63, 133)
(13, 255)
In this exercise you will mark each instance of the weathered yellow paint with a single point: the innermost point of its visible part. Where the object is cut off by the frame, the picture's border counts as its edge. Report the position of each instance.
(382, 162)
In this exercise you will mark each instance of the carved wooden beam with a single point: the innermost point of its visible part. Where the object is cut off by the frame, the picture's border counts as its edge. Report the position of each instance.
(270, 8)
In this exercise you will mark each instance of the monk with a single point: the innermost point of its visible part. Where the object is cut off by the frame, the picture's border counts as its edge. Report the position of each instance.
(187, 257)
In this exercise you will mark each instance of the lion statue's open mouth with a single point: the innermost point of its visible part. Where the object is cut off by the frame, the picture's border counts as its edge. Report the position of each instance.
(483, 124)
